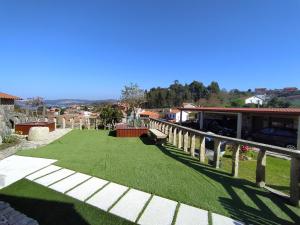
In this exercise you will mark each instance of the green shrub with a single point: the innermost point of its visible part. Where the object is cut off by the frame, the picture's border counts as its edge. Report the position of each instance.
(9, 139)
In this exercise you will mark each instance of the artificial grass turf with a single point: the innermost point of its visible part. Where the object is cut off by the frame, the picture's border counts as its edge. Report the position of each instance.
(168, 172)
(52, 208)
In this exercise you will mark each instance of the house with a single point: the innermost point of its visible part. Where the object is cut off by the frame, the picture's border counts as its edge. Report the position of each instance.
(7, 101)
(257, 100)
(174, 115)
(290, 90)
(149, 114)
(188, 105)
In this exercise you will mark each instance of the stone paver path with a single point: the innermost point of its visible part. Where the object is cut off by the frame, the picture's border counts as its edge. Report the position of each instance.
(15, 168)
(131, 204)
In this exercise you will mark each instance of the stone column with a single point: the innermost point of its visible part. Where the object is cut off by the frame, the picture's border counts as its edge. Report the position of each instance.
(193, 140)
(46, 119)
(202, 149)
(179, 139)
(201, 118)
(80, 124)
(186, 141)
(88, 123)
(175, 137)
(63, 123)
(170, 135)
(235, 161)
(217, 150)
(72, 123)
(261, 168)
(54, 120)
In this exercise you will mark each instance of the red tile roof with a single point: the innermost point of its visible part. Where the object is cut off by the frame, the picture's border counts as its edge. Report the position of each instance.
(286, 111)
(153, 115)
(7, 96)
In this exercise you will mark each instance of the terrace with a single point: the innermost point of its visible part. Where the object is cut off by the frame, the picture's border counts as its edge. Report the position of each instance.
(165, 171)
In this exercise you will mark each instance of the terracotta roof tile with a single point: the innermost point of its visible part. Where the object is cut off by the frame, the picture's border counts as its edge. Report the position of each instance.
(7, 96)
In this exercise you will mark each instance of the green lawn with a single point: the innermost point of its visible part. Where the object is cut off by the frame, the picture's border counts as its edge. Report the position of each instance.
(167, 172)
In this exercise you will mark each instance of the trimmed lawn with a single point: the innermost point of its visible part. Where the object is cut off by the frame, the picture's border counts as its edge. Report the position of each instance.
(167, 172)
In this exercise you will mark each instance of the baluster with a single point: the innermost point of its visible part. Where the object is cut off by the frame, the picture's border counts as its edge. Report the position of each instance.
(202, 149)
(261, 168)
(179, 139)
(170, 135)
(235, 160)
(217, 150)
(186, 141)
(193, 145)
(175, 136)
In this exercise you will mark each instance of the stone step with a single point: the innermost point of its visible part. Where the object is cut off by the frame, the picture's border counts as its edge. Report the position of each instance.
(54, 177)
(223, 220)
(131, 204)
(106, 197)
(85, 190)
(160, 211)
(188, 215)
(43, 172)
(69, 182)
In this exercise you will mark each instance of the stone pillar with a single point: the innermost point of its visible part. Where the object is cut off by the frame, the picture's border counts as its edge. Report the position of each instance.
(202, 149)
(72, 123)
(186, 141)
(88, 123)
(295, 181)
(193, 140)
(80, 124)
(175, 137)
(170, 135)
(217, 150)
(235, 161)
(179, 139)
(46, 119)
(54, 120)
(239, 126)
(261, 168)
(63, 123)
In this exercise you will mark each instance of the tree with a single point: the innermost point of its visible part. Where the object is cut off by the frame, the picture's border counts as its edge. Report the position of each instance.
(134, 97)
(110, 116)
(35, 103)
(278, 103)
(214, 87)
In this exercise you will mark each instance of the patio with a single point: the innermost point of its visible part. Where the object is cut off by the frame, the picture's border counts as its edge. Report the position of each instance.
(164, 171)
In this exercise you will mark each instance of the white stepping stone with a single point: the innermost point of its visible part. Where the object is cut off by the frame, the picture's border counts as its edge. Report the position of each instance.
(69, 182)
(160, 211)
(188, 215)
(223, 220)
(16, 167)
(106, 197)
(43, 172)
(54, 177)
(131, 204)
(85, 190)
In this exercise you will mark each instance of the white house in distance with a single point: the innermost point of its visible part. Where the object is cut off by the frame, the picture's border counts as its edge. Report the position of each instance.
(257, 100)
(174, 115)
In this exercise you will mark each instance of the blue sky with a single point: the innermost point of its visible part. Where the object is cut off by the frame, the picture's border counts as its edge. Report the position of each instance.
(91, 49)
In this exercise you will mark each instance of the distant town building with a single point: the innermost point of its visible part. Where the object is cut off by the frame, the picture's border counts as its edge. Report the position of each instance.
(174, 115)
(149, 114)
(290, 89)
(257, 100)
(188, 105)
(8, 101)
(260, 91)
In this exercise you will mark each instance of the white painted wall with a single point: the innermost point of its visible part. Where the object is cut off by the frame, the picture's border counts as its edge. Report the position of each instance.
(254, 100)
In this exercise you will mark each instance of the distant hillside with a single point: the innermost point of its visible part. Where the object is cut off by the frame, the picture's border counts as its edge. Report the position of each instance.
(66, 102)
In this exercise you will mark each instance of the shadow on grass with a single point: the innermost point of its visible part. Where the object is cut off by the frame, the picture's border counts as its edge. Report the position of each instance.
(235, 205)
(45, 212)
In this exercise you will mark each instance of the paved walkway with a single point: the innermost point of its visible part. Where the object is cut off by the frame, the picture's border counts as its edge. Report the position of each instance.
(131, 204)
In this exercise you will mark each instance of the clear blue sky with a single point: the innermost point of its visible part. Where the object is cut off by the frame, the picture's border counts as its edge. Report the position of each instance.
(90, 49)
